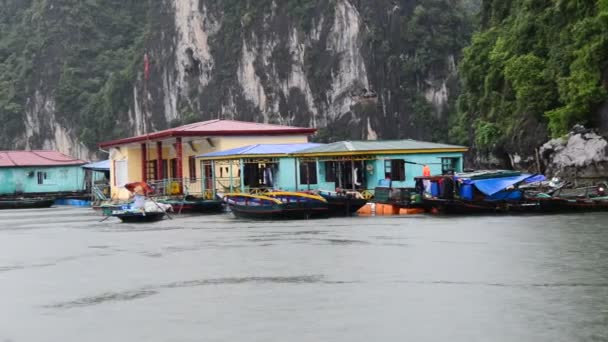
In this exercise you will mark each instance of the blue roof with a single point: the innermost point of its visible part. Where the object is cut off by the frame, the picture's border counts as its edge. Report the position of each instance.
(261, 149)
(100, 165)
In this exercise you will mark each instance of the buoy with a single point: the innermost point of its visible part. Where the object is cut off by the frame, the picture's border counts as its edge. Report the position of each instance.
(410, 211)
(365, 210)
(386, 209)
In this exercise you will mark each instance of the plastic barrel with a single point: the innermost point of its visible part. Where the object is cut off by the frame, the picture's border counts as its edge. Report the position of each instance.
(466, 191)
(434, 189)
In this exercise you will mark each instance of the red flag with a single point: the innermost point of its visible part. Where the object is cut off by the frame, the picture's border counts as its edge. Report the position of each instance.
(146, 66)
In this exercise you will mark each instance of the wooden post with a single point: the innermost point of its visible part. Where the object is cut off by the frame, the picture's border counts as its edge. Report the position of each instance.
(159, 161)
(230, 175)
(353, 173)
(242, 168)
(180, 162)
(144, 162)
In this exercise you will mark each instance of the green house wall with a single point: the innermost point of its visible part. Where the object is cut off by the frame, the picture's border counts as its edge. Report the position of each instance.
(25, 179)
(288, 171)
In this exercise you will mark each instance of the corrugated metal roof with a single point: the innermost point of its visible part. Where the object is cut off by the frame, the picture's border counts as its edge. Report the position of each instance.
(103, 165)
(377, 145)
(260, 149)
(36, 158)
(214, 128)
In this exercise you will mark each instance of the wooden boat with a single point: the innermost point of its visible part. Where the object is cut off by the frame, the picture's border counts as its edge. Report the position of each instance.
(136, 216)
(277, 205)
(193, 204)
(26, 203)
(342, 204)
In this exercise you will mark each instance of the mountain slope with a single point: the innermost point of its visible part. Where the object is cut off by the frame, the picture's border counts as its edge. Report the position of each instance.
(72, 72)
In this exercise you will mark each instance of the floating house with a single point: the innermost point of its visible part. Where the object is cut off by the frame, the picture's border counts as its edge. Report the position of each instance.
(40, 173)
(253, 168)
(167, 158)
(360, 166)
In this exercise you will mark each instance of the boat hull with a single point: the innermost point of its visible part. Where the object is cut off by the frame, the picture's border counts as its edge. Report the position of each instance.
(134, 217)
(26, 203)
(201, 207)
(344, 206)
(286, 211)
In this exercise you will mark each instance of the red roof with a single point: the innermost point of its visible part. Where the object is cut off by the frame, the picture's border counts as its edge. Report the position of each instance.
(214, 128)
(36, 158)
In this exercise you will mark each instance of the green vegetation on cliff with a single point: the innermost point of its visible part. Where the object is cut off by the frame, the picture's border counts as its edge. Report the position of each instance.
(534, 69)
(80, 56)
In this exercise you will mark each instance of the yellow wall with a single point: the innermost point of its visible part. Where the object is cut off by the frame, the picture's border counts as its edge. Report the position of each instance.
(132, 154)
(226, 143)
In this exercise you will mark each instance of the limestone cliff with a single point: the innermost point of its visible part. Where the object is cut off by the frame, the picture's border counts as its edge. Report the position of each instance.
(358, 69)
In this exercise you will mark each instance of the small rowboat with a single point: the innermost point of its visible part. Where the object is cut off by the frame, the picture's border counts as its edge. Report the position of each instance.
(136, 216)
(277, 205)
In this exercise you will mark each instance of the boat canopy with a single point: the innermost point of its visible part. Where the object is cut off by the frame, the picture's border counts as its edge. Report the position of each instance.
(491, 186)
(103, 165)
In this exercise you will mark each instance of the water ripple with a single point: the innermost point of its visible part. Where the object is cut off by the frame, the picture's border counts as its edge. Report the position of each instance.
(105, 297)
(152, 290)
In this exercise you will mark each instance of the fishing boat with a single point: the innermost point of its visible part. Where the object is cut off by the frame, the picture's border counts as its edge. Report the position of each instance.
(589, 198)
(277, 205)
(480, 192)
(26, 203)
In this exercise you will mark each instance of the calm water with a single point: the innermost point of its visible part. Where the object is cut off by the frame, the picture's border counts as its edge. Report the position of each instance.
(66, 277)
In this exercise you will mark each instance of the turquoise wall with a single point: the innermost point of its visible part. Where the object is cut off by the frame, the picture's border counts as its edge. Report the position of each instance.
(25, 179)
(285, 179)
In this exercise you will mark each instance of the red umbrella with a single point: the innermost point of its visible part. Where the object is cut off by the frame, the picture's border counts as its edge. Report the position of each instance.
(145, 187)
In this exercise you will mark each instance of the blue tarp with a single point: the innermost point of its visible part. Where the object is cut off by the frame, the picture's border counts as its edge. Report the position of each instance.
(490, 186)
(103, 165)
(261, 149)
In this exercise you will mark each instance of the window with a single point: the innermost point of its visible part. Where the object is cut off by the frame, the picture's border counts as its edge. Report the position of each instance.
(41, 177)
(449, 165)
(330, 171)
(120, 172)
(192, 168)
(151, 170)
(308, 173)
(395, 169)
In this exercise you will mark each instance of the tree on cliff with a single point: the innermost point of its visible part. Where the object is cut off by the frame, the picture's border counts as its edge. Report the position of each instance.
(534, 69)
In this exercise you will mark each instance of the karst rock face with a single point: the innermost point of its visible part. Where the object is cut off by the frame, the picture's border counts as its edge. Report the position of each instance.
(102, 69)
(581, 156)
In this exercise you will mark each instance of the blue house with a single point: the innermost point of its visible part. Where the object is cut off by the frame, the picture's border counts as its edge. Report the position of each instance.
(350, 165)
(364, 165)
(252, 168)
(39, 172)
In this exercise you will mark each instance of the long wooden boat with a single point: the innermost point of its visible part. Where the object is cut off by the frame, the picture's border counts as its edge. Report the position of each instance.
(26, 203)
(131, 216)
(277, 205)
(560, 204)
(195, 205)
(342, 204)
(546, 205)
